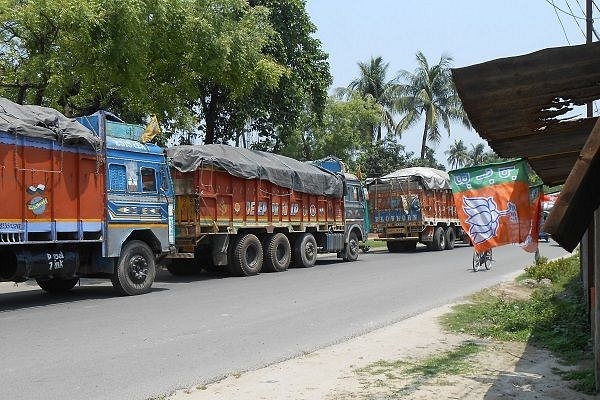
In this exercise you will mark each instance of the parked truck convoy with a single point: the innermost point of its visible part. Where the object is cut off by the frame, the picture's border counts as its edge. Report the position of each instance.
(86, 198)
(248, 210)
(414, 205)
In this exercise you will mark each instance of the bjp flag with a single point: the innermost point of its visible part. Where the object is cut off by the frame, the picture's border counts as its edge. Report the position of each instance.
(492, 203)
(535, 203)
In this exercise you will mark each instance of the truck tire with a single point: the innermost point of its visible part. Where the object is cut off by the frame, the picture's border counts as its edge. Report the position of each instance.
(409, 246)
(394, 247)
(277, 253)
(352, 248)
(305, 251)
(450, 238)
(136, 269)
(439, 239)
(57, 285)
(246, 256)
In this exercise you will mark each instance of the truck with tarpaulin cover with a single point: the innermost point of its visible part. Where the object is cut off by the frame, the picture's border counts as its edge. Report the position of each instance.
(247, 211)
(80, 199)
(414, 205)
(88, 197)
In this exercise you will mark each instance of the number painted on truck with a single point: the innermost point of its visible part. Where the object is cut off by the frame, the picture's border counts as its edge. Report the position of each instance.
(55, 260)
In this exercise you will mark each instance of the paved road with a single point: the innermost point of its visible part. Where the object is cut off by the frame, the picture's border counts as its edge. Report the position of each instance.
(91, 344)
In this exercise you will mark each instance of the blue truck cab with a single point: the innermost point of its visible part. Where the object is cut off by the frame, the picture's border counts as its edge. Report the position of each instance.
(139, 192)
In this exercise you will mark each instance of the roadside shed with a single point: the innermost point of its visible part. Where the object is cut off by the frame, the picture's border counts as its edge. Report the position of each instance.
(533, 106)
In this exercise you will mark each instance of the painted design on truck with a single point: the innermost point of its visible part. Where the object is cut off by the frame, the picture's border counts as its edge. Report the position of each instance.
(37, 205)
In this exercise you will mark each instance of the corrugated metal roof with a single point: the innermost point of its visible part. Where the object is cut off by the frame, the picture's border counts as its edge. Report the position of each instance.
(523, 107)
(518, 105)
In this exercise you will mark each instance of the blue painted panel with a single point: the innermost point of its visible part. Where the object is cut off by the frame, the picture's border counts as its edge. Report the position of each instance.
(132, 146)
(70, 226)
(39, 226)
(112, 128)
(117, 177)
(134, 211)
(41, 143)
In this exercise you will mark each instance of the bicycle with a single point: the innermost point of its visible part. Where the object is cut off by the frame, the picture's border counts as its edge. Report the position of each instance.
(483, 259)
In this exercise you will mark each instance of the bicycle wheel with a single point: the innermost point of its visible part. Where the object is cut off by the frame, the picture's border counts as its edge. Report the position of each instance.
(488, 259)
(476, 261)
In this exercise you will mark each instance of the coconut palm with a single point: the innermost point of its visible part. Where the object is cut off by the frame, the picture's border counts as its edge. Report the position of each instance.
(429, 92)
(458, 155)
(477, 154)
(372, 83)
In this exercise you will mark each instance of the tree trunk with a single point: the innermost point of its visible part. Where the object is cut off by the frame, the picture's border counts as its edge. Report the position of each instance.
(424, 142)
(210, 108)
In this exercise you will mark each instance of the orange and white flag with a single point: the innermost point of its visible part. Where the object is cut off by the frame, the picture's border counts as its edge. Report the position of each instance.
(492, 203)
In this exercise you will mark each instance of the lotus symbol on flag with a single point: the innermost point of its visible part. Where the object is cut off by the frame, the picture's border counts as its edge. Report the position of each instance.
(484, 217)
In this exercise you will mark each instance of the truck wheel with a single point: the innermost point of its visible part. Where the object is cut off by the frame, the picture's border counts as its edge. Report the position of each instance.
(305, 251)
(352, 248)
(184, 267)
(450, 238)
(439, 239)
(135, 270)
(409, 246)
(57, 285)
(247, 256)
(277, 253)
(393, 247)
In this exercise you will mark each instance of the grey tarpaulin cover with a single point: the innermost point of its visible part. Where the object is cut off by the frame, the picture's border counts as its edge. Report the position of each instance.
(44, 122)
(432, 178)
(254, 164)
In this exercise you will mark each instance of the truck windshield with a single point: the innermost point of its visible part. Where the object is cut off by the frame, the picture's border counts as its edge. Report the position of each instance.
(148, 179)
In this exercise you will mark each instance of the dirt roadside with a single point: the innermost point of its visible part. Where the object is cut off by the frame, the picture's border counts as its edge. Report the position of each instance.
(501, 371)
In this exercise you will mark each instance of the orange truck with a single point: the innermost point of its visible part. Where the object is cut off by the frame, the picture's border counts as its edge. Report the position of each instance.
(414, 205)
(247, 211)
(80, 199)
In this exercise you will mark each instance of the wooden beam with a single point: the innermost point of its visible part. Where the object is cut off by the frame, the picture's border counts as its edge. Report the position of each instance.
(579, 198)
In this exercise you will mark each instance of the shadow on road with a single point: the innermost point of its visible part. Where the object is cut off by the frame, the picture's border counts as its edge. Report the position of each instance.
(29, 295)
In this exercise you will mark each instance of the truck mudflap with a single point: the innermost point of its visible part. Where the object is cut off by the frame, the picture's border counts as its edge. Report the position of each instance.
(427, 234)
(20, 264)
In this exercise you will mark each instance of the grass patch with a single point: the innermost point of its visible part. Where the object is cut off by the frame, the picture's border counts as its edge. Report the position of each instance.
(583, 379)
(553, 317)
(402, 377)
(375, 243)
(453, 362)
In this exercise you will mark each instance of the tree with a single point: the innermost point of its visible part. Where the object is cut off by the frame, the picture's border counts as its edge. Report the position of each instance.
(79, 56)
(382, 157)
(211, 68)
(338, 134)
(477, 153)
(275, 112)
(372, 84)
(458, 155)
(429, 92)
(225, 61)
(428, 161)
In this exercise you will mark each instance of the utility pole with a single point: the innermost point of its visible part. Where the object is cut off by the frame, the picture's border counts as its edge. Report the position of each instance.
(591, 245)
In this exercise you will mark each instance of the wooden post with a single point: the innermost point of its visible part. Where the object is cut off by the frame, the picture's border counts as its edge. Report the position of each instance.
(595, 296)
(584, 261)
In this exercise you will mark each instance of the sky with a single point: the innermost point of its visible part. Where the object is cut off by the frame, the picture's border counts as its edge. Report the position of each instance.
(470, 31)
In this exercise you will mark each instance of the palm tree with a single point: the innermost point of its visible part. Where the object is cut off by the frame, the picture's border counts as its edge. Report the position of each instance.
(372, 83)
(477, 154)
(458, 155)
(429, 92)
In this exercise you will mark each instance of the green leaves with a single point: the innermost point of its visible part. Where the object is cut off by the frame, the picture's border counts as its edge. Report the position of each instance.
(429, 92)
(215, 67)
